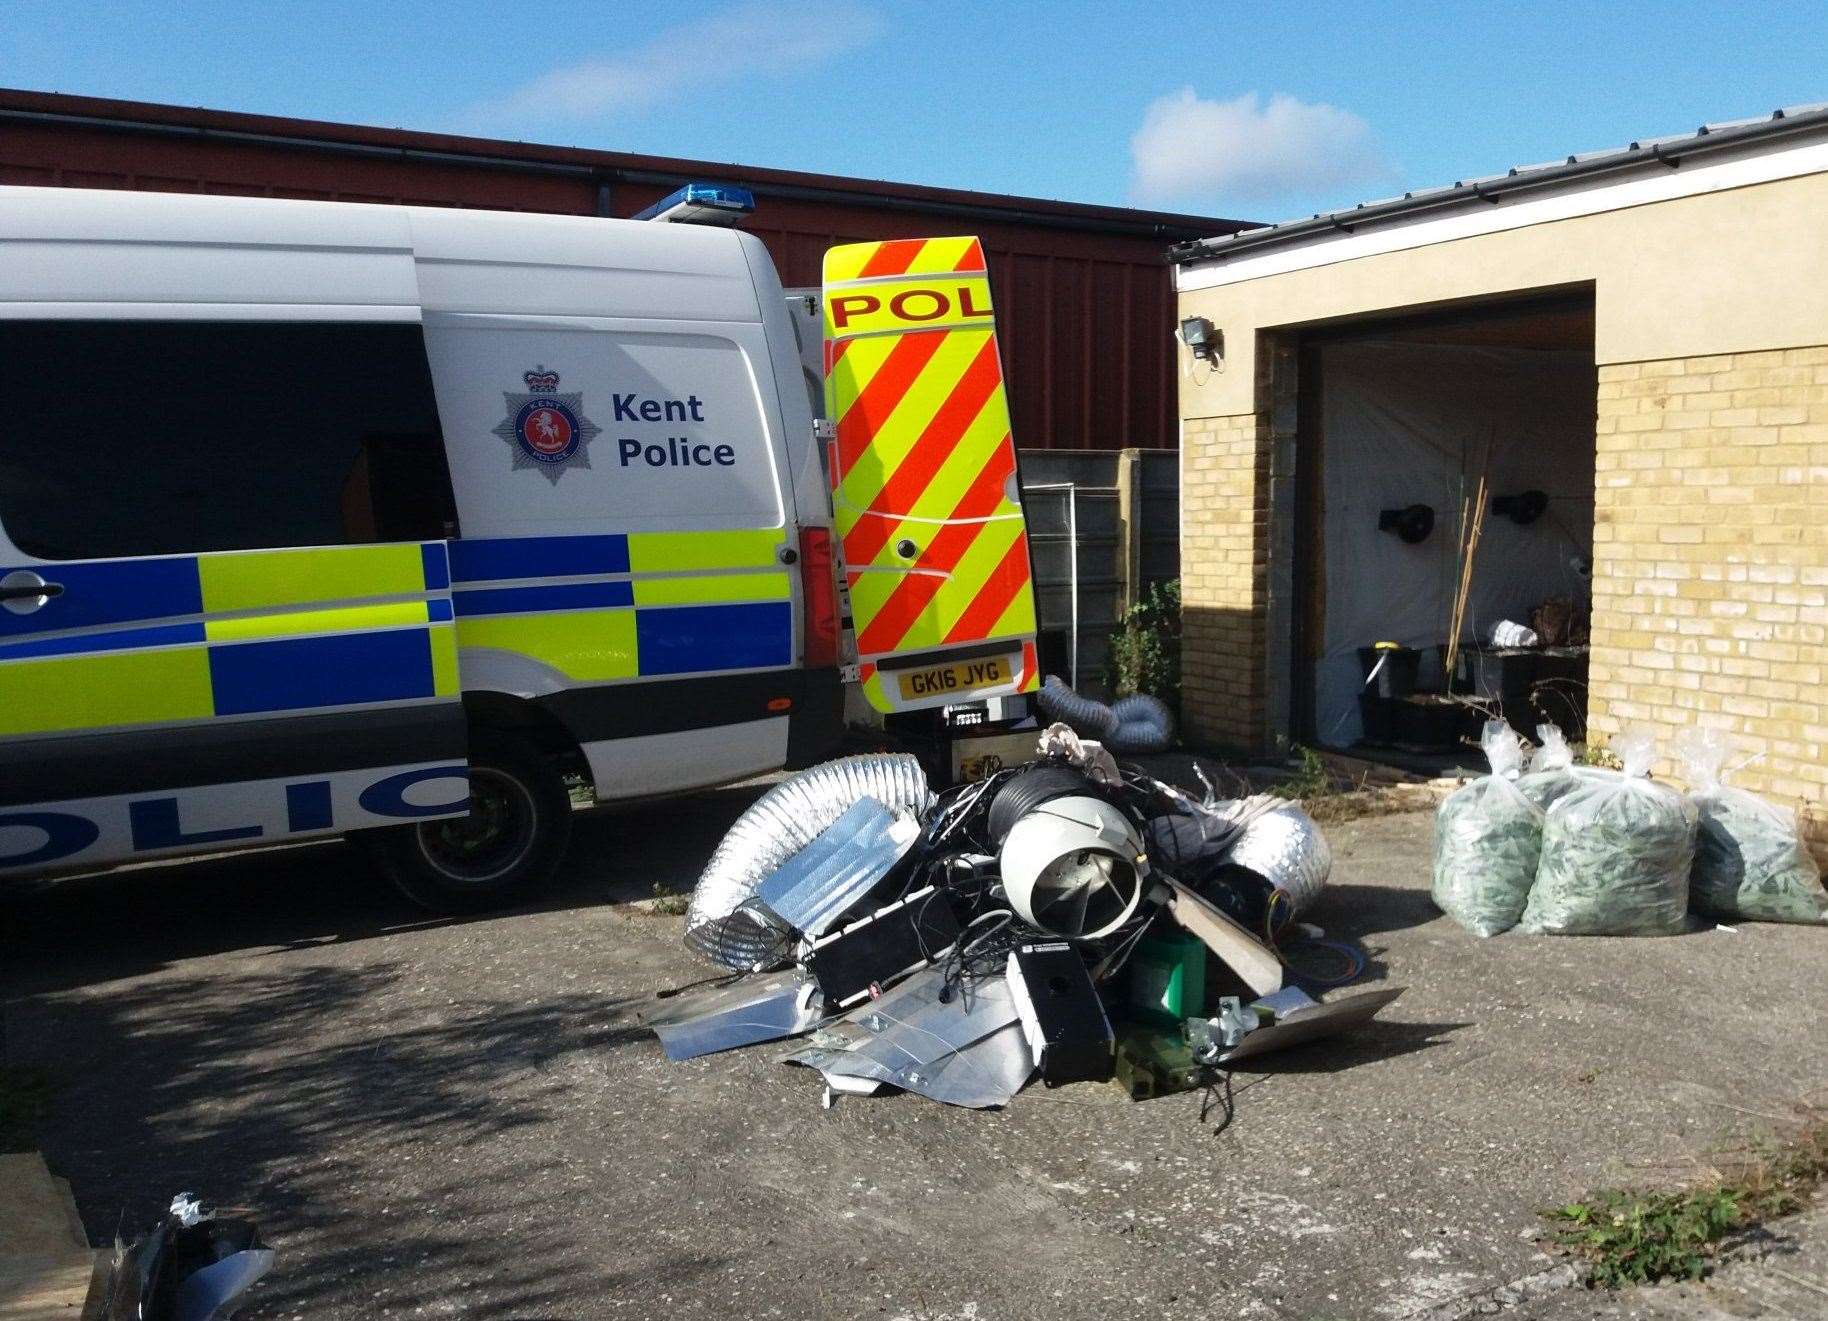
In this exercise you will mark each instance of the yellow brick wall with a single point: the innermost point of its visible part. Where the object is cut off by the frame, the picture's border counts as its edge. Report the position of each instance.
(1224, 545)
(1710, 581)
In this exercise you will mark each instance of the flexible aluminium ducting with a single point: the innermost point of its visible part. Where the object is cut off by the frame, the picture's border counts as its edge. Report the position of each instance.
(1088, 717)
(1286, 848)
(1144, 724)
(1137, 723)
(778, 825)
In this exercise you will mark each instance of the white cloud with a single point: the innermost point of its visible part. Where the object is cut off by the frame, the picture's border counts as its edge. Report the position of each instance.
(720, 49)
(1249, 150)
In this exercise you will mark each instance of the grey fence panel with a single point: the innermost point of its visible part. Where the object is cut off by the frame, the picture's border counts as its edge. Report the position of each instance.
(1084, 520)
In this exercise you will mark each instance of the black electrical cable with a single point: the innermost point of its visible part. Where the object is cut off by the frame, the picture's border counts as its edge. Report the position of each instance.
(1219, 1090)
(969, 960)
(1125, 939)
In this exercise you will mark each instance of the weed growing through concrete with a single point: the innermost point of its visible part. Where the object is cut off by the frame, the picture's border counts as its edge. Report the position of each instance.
(670, 903)
(1330, 797)
(1309, 780)
(1633, 1236)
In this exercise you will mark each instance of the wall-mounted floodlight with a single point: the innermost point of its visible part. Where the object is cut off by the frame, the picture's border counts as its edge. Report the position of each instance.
(1203, 339)
(702, 204)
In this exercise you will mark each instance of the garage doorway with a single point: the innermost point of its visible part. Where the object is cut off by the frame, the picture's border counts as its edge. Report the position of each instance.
(1399, 420)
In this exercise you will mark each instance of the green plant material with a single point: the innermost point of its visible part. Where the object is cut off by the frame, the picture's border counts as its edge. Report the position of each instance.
(1598, 754)
(1635, 1236)
(1330, 798)
(1145, 655)
(669, 902)
(1546, 788)
(25, 1099)
(1616, 854)
(1751, 863)
(1601, 876)
(1309, 779)
(1487, 842)
(1750, 859)
(1552, 773)
(1641, 1238)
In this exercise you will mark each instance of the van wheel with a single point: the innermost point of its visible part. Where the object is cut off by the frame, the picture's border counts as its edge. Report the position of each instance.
(507, 848)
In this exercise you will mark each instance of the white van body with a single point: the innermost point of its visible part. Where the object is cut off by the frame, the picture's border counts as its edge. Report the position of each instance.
(268, 613)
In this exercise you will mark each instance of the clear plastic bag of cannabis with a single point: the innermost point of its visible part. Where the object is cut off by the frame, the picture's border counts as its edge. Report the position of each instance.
(1616, 853)
(1750, 859)
(1487, 836)
(1552, 772)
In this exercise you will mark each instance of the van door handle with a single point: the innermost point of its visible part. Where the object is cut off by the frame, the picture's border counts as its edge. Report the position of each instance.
(23, 591)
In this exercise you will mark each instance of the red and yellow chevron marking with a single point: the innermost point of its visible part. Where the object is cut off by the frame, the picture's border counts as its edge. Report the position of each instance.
(865, 261)
(922, 464)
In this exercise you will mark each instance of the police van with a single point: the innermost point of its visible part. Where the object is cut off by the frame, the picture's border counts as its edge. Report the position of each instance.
(325, 517)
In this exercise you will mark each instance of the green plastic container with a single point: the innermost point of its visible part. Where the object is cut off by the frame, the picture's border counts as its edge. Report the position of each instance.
(1168, 980)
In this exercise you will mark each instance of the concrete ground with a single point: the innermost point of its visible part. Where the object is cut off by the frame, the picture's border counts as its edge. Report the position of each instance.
(466, 1118)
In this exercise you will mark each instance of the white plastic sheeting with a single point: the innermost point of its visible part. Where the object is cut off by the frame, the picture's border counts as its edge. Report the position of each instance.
(1409, 423)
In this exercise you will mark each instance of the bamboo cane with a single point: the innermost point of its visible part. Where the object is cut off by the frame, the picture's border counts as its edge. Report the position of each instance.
(1472, 527)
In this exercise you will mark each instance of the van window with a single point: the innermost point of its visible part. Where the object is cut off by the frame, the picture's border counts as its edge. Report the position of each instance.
(124, 438)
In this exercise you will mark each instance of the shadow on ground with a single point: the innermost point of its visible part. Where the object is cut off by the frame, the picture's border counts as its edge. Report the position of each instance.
(1355, 912)
(145, 917)
(304, 1052)
(230, 1083)
(1370, 1043)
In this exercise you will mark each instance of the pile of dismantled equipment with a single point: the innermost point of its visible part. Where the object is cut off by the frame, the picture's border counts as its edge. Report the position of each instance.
(1071, 917)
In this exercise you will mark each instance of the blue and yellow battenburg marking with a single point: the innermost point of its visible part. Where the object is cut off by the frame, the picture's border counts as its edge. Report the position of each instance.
(133, 642)
(651, 604)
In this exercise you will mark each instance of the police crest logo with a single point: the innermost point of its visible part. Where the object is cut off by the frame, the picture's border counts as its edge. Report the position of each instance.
(548, 430)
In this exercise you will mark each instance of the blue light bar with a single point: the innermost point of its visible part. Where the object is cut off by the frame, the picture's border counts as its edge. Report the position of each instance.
(702, 204)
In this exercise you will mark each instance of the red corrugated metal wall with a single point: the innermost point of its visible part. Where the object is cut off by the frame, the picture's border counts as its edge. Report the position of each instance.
(1083, 297)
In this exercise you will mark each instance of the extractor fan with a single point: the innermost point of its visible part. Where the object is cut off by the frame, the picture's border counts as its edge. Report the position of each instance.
(1072, 864)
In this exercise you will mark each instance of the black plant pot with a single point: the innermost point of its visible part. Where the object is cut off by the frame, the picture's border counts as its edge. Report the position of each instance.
(1378, 717)
(1431, 726)
(1397, 678)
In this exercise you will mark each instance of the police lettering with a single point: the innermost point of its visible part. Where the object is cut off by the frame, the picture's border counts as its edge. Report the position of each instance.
(159, 824)
(915, 305)
(154, 823)
(44, 837)
(677, 452)
(631, 408)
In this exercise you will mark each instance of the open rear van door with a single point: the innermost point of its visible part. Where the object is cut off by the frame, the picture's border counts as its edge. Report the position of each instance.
(925, 495)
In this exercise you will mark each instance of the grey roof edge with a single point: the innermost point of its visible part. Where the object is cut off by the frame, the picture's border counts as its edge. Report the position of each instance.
(1641, 155)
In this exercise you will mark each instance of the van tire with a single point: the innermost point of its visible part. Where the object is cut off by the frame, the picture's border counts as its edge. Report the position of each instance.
(508, 849)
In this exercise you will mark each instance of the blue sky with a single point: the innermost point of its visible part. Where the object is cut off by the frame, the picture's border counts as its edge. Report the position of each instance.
(1249, 110)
